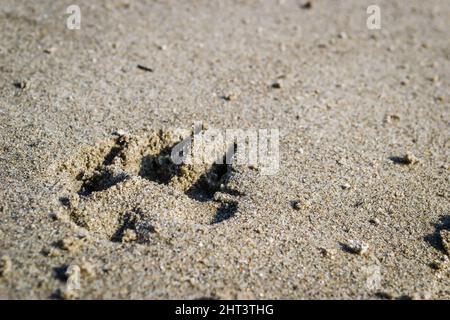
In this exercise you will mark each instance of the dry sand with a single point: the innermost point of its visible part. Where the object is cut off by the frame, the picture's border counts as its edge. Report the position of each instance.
(358, 209)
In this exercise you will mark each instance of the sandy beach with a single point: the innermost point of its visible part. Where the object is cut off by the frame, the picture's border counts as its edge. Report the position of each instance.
(93, 206)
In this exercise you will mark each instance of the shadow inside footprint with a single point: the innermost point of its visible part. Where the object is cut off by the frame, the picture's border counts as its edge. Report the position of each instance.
(101, 180)
(60, 273)
(128, 222)
(208, 183)
(160, 167)
(113, 152)
(212, 180)
(225, 212)
(434, 239)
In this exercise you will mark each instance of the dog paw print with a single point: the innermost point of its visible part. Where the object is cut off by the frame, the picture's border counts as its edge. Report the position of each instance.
(130, 189)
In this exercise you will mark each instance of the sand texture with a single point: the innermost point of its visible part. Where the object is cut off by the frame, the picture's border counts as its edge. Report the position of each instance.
(92, 207)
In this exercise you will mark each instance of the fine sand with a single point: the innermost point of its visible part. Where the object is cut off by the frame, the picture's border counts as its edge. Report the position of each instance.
(92, 207)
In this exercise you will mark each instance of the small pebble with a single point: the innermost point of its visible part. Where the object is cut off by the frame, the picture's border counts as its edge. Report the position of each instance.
(22, 84)
(342, 35)
(357, 247)
(327, 252)
(392, 117)
(306, 5)
(346, 186)
(49, 50)
(230, 97)
(409, 158)
(276, 85)
(300, 204)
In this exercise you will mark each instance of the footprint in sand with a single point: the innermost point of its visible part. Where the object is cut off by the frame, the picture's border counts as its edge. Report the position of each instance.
(128, 188)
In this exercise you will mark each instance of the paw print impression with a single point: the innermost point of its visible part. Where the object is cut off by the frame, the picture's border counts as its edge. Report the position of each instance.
(130, 189)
